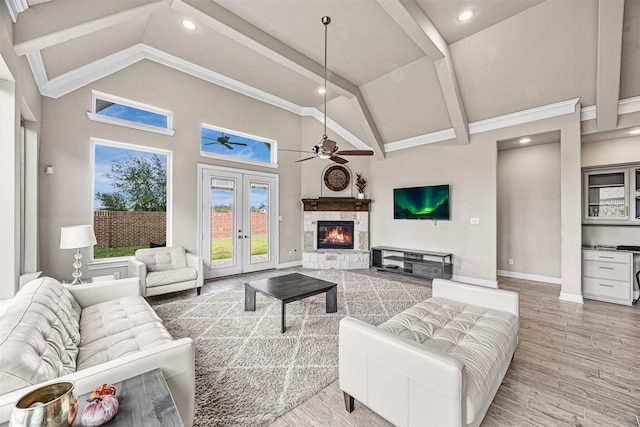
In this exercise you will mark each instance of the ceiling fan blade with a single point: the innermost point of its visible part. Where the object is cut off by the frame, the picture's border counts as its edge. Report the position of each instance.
(339, 160)
(302, 160)
(237, 143)
(294, 151)
(355, 153)
(211, 139)
(226, 145)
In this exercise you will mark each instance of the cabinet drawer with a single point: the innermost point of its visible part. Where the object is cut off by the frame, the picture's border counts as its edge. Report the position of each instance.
(606, 288)
(607, 256)
(607, 270)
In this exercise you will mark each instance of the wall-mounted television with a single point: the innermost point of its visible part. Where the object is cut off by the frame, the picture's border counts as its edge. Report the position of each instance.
(427, 202)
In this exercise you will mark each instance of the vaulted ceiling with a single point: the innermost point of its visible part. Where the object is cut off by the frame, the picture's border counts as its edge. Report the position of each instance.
(400, 71)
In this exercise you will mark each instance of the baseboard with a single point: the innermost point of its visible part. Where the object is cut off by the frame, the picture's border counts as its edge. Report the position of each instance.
(474, 281)
(564, 296)
(289, 264)
(534, 277)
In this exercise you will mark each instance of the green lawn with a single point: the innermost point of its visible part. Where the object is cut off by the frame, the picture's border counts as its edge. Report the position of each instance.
(222, 248)
(116, 252)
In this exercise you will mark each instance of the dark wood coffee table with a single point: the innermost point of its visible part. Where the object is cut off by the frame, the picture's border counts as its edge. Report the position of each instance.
(289, 288)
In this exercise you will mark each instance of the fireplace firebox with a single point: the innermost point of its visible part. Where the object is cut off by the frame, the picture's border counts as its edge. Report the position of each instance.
(335, 235)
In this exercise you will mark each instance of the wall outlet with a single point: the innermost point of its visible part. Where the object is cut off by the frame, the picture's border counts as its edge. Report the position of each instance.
(510, 261)
(290, 253)
(116, 275)
(475, 221)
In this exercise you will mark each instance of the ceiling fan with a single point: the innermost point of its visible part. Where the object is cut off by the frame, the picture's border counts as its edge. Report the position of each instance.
(223, 140)
(326, 148)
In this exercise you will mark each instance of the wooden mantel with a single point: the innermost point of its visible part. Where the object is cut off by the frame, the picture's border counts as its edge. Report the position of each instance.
(337, 204)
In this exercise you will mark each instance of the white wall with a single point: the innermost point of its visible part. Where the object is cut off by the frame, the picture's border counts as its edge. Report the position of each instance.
(529, 210)
(66, 197)
(18, 94)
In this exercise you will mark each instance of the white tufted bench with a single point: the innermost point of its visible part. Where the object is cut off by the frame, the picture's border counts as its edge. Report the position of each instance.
(438, 363)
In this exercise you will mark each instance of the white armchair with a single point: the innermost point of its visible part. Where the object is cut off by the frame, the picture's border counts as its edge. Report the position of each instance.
(166, 269)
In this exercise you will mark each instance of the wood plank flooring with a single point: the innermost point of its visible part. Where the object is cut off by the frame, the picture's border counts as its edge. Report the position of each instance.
(576, 365)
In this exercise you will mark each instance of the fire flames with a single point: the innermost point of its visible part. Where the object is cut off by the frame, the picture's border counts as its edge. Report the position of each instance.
(337, 237)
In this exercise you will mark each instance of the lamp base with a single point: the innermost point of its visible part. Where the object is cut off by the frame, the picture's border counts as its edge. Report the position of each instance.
(77, 274)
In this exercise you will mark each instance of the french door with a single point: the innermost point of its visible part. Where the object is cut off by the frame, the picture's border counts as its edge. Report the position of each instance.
(238, 220)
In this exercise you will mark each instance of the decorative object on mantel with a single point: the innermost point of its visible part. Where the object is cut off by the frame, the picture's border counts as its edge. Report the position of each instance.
(326, 148)
(76, 237)
(361, 184)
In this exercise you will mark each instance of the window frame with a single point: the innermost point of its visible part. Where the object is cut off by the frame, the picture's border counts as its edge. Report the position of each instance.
(105, 263)
(273, 142)
(96, 117)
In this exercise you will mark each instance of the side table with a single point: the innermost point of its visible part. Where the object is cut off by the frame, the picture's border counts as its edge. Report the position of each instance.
(144, 401)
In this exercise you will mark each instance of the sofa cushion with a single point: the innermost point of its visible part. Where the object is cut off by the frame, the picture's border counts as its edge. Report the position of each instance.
(483, 339)
(161, 259)
(39, 335)
(167, 277)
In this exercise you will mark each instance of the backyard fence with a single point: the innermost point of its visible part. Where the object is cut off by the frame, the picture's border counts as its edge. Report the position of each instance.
(222, 224)
(117, 229)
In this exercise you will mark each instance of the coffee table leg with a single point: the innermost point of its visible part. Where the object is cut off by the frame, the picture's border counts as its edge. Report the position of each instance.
(332, 300)
(283, 326)
(249, 298)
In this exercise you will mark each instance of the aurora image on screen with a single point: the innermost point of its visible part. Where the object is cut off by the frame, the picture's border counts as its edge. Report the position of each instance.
(430, 202)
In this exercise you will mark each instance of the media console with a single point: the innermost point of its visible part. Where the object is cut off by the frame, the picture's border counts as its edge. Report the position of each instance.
(425, 264)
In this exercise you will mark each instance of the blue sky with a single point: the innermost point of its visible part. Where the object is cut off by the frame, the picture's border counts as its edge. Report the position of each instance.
(255, 149)
(105, 155)
(135, 115)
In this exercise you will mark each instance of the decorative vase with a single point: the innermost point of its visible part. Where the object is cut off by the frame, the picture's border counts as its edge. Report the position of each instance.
(360, 195)
(52, 405)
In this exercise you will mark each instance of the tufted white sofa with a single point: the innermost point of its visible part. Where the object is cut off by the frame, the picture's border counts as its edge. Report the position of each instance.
(438, 363)
(91, 334)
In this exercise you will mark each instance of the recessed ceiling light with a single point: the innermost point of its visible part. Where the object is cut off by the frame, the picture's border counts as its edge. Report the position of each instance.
(524, 140)
(322, 90)
(465, 15)
(188, 24)
(635, 132)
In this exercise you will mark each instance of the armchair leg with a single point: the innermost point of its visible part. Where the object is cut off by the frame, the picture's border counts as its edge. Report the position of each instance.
(348, 402)
(198, 289)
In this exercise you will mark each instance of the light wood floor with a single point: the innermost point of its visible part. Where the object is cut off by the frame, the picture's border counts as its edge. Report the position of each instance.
(576, 365)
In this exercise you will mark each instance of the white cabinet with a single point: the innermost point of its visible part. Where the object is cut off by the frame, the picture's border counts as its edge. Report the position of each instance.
(607, 195)
(608, 276)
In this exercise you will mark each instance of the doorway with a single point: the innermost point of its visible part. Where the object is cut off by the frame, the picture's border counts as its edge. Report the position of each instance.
(238, 220)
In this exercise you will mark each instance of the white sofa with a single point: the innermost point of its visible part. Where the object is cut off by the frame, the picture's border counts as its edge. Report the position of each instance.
(438, 363)
(166, 269)
(91, 334)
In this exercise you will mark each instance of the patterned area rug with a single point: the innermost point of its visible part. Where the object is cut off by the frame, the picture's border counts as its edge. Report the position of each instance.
(247, 372)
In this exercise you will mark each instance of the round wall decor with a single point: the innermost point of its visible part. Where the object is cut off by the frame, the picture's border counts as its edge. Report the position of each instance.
(337, 178)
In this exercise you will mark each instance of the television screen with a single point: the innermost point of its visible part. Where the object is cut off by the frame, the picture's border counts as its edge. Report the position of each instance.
(429, 202)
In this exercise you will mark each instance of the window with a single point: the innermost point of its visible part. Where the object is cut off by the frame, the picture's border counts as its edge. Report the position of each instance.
(123, 112)
(131, 198)
(236, 146)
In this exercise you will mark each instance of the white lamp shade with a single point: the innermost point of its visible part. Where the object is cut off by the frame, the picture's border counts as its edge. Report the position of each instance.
(77, 236)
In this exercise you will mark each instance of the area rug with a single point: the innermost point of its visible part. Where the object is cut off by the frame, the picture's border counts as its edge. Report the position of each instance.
(247, 372)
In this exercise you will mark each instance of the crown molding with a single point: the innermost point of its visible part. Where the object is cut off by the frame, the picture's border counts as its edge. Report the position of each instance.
(37, 69)
(588, 113)
(429, 138)
(525, 116)
(16, 7)
(629, 105)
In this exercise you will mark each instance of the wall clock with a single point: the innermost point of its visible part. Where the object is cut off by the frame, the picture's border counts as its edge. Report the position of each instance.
(337, 178)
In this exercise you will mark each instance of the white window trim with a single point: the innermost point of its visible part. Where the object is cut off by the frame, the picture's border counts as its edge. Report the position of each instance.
(104, 263)
(274, 147)
(94, 116)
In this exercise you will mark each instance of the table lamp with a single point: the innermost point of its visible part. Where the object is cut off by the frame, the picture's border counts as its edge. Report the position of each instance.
(77, 236)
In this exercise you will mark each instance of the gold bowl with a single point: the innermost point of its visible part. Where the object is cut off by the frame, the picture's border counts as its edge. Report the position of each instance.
(52, 405)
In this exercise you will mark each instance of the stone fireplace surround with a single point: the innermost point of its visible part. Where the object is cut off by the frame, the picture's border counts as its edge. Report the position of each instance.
(336, 209)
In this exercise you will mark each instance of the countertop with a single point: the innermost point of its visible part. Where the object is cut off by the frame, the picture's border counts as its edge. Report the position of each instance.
(607, 248)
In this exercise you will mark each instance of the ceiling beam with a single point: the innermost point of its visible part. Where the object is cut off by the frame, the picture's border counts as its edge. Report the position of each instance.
(37, 30)
(609, 62)
(419, 27)
(218, 18)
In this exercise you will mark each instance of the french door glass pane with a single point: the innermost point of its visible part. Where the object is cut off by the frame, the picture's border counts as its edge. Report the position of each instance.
(259, 222)
(222, 227)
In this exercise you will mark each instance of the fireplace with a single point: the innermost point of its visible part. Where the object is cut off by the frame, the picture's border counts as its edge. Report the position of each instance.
(335, 234)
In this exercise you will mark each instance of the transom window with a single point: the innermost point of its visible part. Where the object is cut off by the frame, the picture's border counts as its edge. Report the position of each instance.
(236, 146)
(124, 112)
